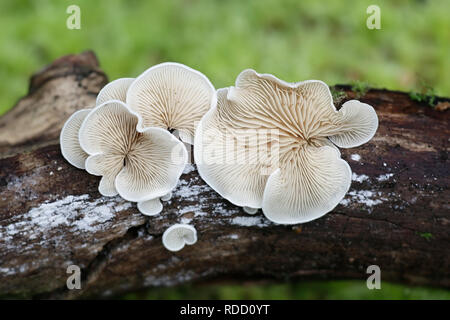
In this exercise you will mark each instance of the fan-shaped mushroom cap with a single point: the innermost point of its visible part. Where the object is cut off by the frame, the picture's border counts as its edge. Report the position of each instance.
(240, 182)
(305, 177)
(69, 143)
(304, 191)
(150, 207)
(115, 90)
(171, 96)
(138, 165)
(358, 124)
(175, 237)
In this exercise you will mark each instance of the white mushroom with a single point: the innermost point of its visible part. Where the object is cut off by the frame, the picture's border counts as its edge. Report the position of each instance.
(139, 166)
(115, 90)
(167, 197)
(171, 96)
(302, 178)
(69, 143)
(175, 237)
(250, 210)
(150, 207)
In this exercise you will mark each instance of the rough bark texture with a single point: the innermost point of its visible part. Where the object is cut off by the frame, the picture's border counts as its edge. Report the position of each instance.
(396, 214)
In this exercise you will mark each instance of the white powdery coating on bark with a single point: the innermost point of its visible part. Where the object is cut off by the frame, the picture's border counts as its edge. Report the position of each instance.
(385, 177)
(188, 168)
(359, 178)
(365, 197)
(75, 212)
(250, 221)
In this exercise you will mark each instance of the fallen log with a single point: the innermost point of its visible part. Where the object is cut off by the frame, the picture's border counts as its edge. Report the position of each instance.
(396, 214)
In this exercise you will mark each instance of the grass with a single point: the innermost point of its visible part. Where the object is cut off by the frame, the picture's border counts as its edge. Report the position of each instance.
(292, 39)
(335, 290)
(295, 40)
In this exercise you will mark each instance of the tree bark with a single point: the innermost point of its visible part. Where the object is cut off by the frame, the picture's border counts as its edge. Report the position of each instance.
(396, 214)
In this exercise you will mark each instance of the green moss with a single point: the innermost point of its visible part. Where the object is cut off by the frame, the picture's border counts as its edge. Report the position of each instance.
(426, 94)
(426, 235)
(338, 95)
(360, 88)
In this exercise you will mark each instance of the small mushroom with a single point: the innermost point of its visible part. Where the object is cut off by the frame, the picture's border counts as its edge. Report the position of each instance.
(139, 166)
(171, 96)
(166, 197)
(250, 210)
(176, 236)
(302, 178)
(150, 207)
(69, 143)
(115, 90)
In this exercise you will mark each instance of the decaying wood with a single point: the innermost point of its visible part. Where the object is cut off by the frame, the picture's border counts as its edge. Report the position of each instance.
(68, 84)
(396, 214)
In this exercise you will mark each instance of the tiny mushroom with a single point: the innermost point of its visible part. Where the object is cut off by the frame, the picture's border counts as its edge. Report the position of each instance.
(139, 166)
(293, 171)
(171, 96)
(69, 143)
(250, 210)
(176, 236)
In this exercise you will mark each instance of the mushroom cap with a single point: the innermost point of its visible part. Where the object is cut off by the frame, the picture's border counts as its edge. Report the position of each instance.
(69, 143)
(250, 210)
(358, 123)
(240, 182)
(171, 96)
(150, 207)
(115, 90)
(178, 235)
(290, 182)
(307, 191)
(137, 165)
(166, 197)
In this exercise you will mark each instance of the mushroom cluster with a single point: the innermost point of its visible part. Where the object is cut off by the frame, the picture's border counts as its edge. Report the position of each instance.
(271, 144)
(127, 137)
(263, 143)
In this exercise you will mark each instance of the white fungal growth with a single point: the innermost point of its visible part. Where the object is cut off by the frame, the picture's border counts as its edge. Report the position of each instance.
(250, 221)
(150, 207)
(359, 178)
(385, 177)
(365, 197)
(75, 212)
(309, 178)
(355, 157)
(188, 168)
(178, 235)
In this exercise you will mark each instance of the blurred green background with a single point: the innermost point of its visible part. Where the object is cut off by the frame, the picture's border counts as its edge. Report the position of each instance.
(293, 39)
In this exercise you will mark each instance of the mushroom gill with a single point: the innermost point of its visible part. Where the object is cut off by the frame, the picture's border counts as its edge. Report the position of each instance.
(295, 173)
(171, 96)
(69, 143)
(178, 235)
(138, 165)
